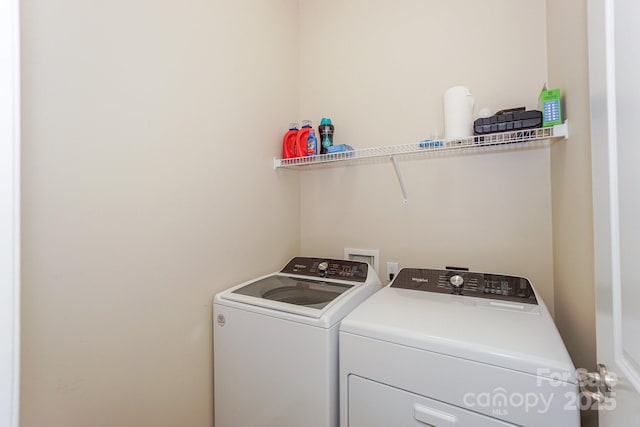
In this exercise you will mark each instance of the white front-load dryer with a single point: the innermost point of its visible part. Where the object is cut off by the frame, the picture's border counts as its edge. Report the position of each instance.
(276, 343)
(455, 348)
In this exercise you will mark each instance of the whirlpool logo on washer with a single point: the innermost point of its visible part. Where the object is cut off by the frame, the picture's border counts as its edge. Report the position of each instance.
(419, 280)
(221, 320)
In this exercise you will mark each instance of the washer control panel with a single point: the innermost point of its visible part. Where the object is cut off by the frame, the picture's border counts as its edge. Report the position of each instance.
(480, 285)
(339, 269)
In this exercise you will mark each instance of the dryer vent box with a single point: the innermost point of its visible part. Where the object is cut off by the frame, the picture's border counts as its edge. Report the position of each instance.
(370, 256)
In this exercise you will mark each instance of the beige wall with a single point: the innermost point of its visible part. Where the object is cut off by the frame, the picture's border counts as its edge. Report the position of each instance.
(149, 130)
(571, 184)
(379, 71)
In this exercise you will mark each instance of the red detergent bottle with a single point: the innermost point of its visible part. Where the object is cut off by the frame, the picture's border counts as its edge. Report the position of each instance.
(301, 139)
(289, 141)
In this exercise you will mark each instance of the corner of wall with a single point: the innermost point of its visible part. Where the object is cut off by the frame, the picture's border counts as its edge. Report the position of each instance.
(571, 182)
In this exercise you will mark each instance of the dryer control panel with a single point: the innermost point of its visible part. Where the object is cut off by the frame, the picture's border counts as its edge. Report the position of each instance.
(480, 285)
(339, 269)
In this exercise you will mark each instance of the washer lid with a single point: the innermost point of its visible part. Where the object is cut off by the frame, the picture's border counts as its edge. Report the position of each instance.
(515, 336)
(291, 294)
(290, 290)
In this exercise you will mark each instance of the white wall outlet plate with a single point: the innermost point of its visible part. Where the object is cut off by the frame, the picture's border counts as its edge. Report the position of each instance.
(392, 270)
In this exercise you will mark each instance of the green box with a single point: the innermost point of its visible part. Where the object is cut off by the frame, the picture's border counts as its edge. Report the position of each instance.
(551, 111)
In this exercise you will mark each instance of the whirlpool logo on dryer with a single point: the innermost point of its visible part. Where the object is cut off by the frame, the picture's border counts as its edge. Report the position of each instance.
(419, 280)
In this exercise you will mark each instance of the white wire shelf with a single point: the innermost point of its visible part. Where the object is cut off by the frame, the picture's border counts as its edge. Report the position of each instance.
(494, 139)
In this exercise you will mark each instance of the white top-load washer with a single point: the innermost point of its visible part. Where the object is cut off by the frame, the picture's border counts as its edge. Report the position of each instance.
(455, 348)
(276, 343)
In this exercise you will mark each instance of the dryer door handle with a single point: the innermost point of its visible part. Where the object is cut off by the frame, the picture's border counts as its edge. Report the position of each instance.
(432, 417)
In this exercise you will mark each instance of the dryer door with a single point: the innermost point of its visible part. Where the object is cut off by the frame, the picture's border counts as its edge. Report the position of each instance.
(404, 409)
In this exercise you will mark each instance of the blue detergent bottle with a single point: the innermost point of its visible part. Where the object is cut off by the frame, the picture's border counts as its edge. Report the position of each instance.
(312, 143)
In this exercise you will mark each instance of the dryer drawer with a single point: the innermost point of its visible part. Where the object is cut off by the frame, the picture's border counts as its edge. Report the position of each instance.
(372, 404)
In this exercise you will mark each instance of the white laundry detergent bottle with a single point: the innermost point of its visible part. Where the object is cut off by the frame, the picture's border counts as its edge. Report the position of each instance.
(458, 110)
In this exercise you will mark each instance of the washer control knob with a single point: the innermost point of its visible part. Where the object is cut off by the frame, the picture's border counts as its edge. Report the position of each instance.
(456, 281)
(323, 266)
